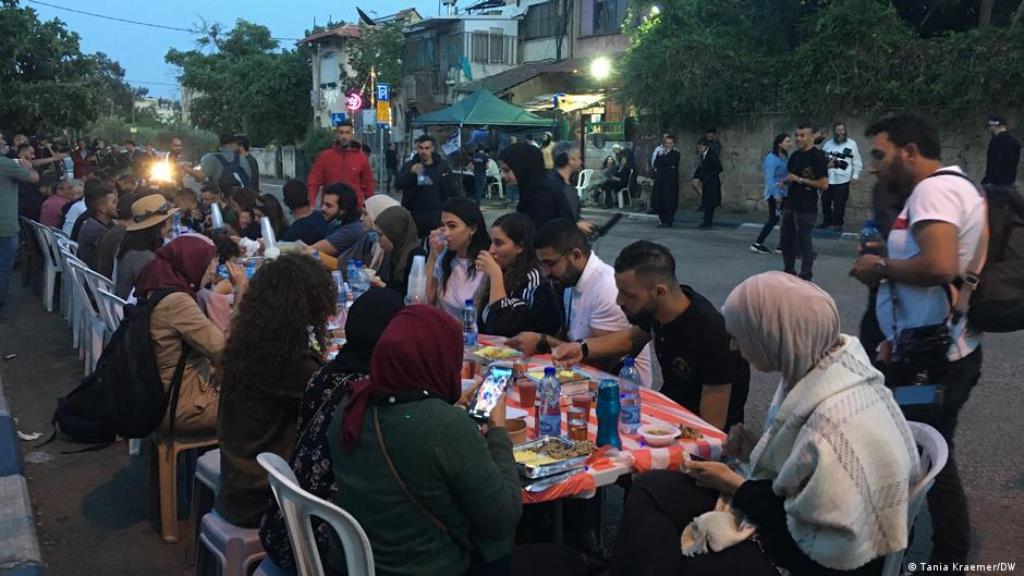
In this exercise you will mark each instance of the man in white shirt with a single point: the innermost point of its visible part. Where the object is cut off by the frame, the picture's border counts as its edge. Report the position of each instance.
(587, 285)
(933, 260)
(844, 166)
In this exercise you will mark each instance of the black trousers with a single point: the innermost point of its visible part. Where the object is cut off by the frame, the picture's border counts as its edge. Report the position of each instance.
(660, 504)
(709, 215)
(796, 238)
(773, 219)
(947, 502)
(833, 204)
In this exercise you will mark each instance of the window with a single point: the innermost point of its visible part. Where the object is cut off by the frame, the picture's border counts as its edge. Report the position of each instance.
(491, 47)
(542, 21)
(606, 16)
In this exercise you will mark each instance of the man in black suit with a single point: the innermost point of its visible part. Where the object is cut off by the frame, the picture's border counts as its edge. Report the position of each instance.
(666, 182)
(708, 172)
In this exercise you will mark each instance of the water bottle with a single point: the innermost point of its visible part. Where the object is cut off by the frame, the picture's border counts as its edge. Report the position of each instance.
(222, 271)
(350, 272)
(176, 225)
(629, 396)
(339, 283)
(608, 409)
(469, 324)
(372, 237)
(549, 411)
(69, 167)
(250, 268)
(871, 241)
(359, 282)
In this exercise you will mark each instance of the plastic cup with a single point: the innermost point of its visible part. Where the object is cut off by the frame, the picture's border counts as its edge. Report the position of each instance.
(216, 218)
(583, 401)
(267, 230)
(577, 421)
(527, 393)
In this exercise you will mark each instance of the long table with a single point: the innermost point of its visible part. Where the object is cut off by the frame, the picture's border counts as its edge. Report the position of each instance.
(655, 408)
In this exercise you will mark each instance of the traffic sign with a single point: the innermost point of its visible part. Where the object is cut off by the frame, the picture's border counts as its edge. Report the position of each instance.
(383, 112)
(383, 92)
(353, 101)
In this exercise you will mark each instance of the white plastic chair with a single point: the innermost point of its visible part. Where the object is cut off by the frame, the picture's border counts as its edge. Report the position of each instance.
(584, 182)
(94, 329)
(51, 266)
(66, 245)
(934, 454)
(299, 506)
(624, 192)
(114, 308)
(97, 282)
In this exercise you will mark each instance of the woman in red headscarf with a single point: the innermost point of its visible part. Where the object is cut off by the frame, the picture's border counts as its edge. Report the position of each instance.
(180, 331)
(463, 497)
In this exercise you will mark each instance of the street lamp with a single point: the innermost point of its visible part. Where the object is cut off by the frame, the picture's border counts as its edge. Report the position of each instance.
(655, 10)
(601, 68)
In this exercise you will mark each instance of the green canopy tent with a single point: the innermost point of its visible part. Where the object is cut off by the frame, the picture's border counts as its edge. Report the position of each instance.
(482, 108)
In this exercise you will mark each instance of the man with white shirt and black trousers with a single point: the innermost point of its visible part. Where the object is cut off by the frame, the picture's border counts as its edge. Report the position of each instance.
(844, 166)
(808, 174)
(587, 287)
(699, 368)
(933, 259)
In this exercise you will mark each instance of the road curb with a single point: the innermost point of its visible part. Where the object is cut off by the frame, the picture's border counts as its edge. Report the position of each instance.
(20, 554)
(683, 222)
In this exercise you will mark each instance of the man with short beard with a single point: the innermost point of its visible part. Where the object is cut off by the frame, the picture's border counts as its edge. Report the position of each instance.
(844, 166)
(933, 258)
(343, 162)
(587, 286)
(700, 370)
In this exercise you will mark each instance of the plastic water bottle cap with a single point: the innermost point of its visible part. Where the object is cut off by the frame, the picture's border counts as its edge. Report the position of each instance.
(549, 370)
(469, 302)
(870, 224)
(628, 362)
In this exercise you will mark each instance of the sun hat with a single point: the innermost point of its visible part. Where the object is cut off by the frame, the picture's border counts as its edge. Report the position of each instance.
(150, 211)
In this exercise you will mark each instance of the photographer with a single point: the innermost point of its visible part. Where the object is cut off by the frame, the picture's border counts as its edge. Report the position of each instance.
(844, 165)
(922, 286)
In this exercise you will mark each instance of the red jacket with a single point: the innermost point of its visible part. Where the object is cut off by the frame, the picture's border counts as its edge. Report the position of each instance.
(347, 165)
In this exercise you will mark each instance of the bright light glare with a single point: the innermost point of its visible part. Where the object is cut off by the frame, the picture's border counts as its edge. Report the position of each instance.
(161, 172)
(601, 68)
(655, 10)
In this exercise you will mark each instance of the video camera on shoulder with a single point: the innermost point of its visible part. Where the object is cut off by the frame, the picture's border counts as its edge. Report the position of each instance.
(840, 160)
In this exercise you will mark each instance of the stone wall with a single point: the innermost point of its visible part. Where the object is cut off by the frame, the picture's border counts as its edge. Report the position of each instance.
(746, 140)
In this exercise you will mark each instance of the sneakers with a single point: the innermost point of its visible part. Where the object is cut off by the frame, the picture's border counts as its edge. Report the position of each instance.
(758, 248)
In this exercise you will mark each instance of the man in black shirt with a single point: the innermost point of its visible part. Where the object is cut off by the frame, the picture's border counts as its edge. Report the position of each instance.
(808, 174)
(1003, 155)
(699, 367)
(309, 225)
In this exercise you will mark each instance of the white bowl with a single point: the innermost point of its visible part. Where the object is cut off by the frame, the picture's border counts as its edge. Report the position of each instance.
(658, 440)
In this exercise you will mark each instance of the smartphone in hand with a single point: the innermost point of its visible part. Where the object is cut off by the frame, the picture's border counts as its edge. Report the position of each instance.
(499, 376)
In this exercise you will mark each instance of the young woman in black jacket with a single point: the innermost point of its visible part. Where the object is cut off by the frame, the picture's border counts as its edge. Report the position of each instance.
(515, 296)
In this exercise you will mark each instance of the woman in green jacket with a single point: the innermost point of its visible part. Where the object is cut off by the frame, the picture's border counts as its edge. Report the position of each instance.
(464, 497)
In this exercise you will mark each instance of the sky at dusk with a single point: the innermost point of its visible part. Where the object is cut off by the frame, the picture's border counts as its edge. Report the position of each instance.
(141, 49)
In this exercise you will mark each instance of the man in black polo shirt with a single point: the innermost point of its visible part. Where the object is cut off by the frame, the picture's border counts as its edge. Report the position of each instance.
(698, 366)
(808, 174)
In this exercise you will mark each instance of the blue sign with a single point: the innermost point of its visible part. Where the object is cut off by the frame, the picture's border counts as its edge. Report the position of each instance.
(337, 118)
(383, 91)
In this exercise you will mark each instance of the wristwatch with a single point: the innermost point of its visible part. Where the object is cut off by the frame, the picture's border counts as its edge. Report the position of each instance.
(883, 267)
(584, 349)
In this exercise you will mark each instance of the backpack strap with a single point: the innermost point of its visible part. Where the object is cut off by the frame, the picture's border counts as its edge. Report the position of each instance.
(972, 277)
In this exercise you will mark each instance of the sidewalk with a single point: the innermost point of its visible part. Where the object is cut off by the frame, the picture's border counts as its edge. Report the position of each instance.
(19, 546)
(92, 508)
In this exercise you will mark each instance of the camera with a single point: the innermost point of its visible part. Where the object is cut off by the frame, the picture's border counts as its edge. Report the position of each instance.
(838, 160)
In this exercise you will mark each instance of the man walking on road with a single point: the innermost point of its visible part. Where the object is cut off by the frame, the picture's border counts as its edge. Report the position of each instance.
(11, 173)
(808, 173)
(343, 162)
(1003, 155)
(844, 166)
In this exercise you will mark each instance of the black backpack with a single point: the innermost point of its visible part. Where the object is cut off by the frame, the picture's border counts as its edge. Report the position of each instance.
(998, 303)
(124, 395)
(232, 174)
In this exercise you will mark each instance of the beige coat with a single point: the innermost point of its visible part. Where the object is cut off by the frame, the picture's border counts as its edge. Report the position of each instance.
(177, 317)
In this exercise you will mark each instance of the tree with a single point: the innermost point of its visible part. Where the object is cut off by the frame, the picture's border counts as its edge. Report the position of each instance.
(245, 84)
(382, 49)
(48, 83)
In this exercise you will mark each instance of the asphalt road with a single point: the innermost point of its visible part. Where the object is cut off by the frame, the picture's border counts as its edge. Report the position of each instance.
(92, 508)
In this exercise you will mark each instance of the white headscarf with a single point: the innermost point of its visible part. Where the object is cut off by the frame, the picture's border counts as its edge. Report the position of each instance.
(377, 204)
(782, 324)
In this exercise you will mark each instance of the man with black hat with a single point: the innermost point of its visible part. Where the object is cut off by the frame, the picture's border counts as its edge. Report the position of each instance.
(1003, 155)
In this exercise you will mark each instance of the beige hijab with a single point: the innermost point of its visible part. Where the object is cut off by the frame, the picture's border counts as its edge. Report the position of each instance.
(782, 324)
(377, 204)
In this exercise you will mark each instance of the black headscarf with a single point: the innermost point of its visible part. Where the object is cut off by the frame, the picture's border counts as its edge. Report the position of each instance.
(367, 319)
